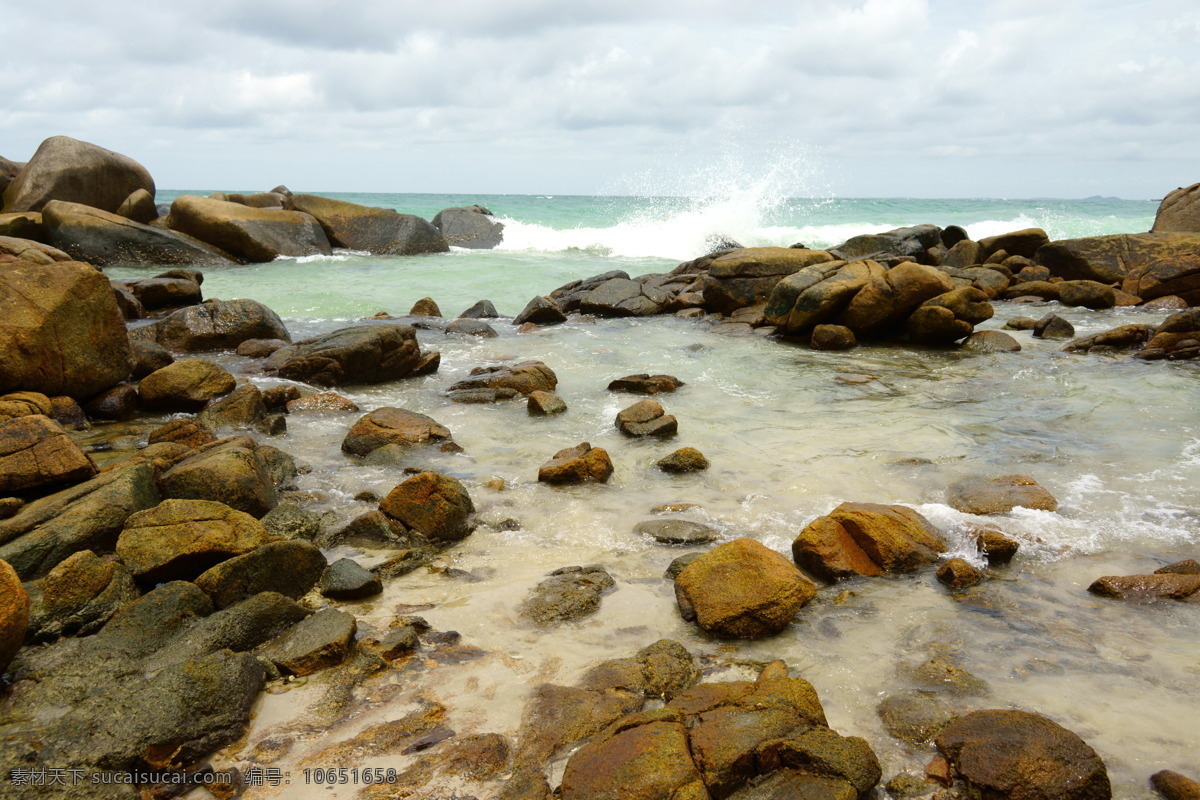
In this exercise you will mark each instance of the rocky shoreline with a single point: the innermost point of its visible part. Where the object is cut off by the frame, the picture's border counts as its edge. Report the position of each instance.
(149, 597)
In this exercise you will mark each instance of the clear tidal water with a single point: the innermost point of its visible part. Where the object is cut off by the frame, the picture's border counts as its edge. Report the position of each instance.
(1116, 440)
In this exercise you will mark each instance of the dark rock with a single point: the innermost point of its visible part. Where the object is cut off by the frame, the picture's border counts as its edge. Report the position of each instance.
(79, 596)
(158, 293)
(568, 594)
(277, 397)
(677, 531)
(389, 425)
(867, 539)
(260, 348)
(436, 506)
(148, 357)
(540, 311)
(288, 521)
(1053, 326)
(1172, 785)
(425, 307)
(379, 231)
(219, 325)
(915, 718)
(481, 310)
(241, 408)
(1017, 243)
(1188, 567)
(622, 297)
(1019, 754)
(522, 378)
(344, 579)
(544, 404)
(1123, 338)
(999, 495)
(36, 453)
(289, 568)
(995, 545)
(580, 464)
(963, 253)
(1179, 211)
(67, 169)
(646, 418)
(644, 383)
(233, 471)
(746, 277)
(957, 574)
(105, 239)
(685, 459)
(363, 354)
(906, 243)
(139, 207)
(676, 566)
(833, 337)
(117, 403)
(472, 227)
(254, 235)
(991, 342)
(471, 327)
(323, 640)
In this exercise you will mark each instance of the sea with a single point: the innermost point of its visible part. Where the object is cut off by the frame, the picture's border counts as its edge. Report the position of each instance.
(1115, 439)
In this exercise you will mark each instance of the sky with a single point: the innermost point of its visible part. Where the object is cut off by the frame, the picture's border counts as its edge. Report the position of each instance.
(883, 98)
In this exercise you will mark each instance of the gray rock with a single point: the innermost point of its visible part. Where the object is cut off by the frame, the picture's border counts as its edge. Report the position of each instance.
(469, 226)
(540, 311)
(1053, 326)
(567, 594)
(219, 325)
(991, 342)
(344, 579)
(481, 310)
(289, 521)
(677, 531)
(323, 640)
(362, 354)
(471, 327)
(289, 568)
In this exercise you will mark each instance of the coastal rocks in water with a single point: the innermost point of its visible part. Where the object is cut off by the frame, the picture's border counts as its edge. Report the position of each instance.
(79, 596)
(646, 418)
(580, 464)
(260, 348)
(991, 342)
(14, 614)
(471, 327)
(363, 354)
(61, 332)
(685, 459)
(1178, 337)
(288, 521)
(567, 594)
(742, 590)
(999, 495)
(911, 244)
(104, 239)
(1088, 294)
(483, 309)
(1179, 211)
(540, 311)
(241, 408)
(1033, 291)
(886, 300)
(425, 307)
(1110, 259)
(1017, 754)
(1125, 337)
(867, 539)
(545, 404)
(344, 579)
(187, 432)
(219, 325)
(139, 207)
(67, 169)
(234, 471)
(179, 539)
(996, 546)
(623, 297)
(380, 231)
(949, 317)
(651, 760)
(1172, 785)
(915, 718)
(1053, 326)
(677, 531)
(165, 292)
(251, 234)
(1174, 276)
(817, 294)
(833, 337)
(644, 383)
(1159, 586)
(473, 227)
(957, 573)
(320, 403)
(185, 385)
(1024, 242)
(746, 277)
(521, 378)
(435, 506)
(288, 568)
(148, 357)
(36, 453)
(388, 425)
(321, 641)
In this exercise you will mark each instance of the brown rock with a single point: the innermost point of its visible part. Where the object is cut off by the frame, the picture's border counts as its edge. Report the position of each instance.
(80, 595)
(139, 207)
(24, 404)
(1017, 754)
(233, 471)
(1187, 567)
(644, 383)
(915, 718)
(382, 231)
(867, 539)
(1109, 259)
(277, 397)
(36, 453)
(1168, 303)
(685, 459)
(999, 495)
(1148, 587)
(1177, 276)
(1018, 243)
(742, 590)
(1179, 211)
(1173, 786)
(957, 573)
(544, 404)
(580, 464)
(219, 325)
(290, 568)
(389, 425)
(30, 251)
(991, 342)
(323, 402)
(522, 378)
(187, 432)
(539, 311)
(436, 506)
(646, 762)
(888, 299)
(185, 385)
(996, 546)
(833, 337)
(79, 172)
(1088, 294)
(1053, 326)
(321, 641)
(252, 234)
(646, 418)
(260, 348)
(425, 307)
(14, 614)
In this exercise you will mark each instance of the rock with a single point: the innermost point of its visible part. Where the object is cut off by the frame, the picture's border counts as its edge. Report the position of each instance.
(37, 454)
(999, 495)
(1021, 323)
(867, 539)
(148, 357)
(822, 751)
(24, 404)
(991, 342)
(117, 403)
(63, 168)
(580, 464)
(1017, 243)
(1110, 259)
(1088, 294)
(25, 226)
(540, 311)
(888, 299)
(749, 276)
(1033, 291)
(623, 297)
(287, 521)
(963, 253)
(79, 596)
(1053, 326)
(958, 574)
(995, 545)
(646, 762)
(185, 385)
(1177, 275)
(1179, 211)
(545, 404)
(469, 226)
(372, 530)
(260, 348)
(321, 641)
(436, 506)
(139, 207)
(14, 614)
(68, 413)
(1187, 567)
(644, 383)
(1178, 337)
(188, 432)
(289, 568)
(471, 327)
(677, 531)
(254, 235)
(425, 307)
(380, 231)
(60, 330)
(833, 337)
(1020, 754)
(522, 378)
(363, 354)
(241, 408)
(1032, 273)
(685, 459)
(389, 425)
(219, 325)
(344, 579)
(1123, 338)
(233, 471)
(1172, 785)
(29, 251)
(159, 293)
(566, 595)
(1148, 587)
(104, 239)
(742, 590)
(8, 171)
(481, 310)
(322, 402)
(909, 243)
(646, 418)
(915, 718)
(88, 516)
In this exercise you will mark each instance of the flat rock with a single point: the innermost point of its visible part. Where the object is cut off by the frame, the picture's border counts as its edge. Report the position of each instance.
(254, 235)
(1148, 587)
(471, 327)
(321, 402)
(389, 425)
(321, 641)
(522, 378)
(677, 531)
(644, 383)
(915, 718)
(999, 495)
(566, 595)
(363, 354)
(36, 453)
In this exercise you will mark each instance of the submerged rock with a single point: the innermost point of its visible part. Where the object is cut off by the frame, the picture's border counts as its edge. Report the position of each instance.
(677, 531)
(566, 595)
(999, 495)
(1173, 786)
(867, 539)
(915, 718)
(521, 378)
(1148, 587)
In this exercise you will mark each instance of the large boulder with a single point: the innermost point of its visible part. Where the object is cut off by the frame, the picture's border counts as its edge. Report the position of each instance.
(623, 297)
(14, 614)
(80, 595)
(61, 331)
(251, 234)
(746, 277)
(818, 294)
(435, 506)
(8, 171)
(381, 231)
(473, 227)
(1016, 243)
(77, 172)
(1178, 337)
(887, 300)
(289, 568)
(179, 539)
(1109, 259)
(644, 762)
(389, 425)
(867, 539)
(163, 292)
(218, 325)
(233, 471)
(104, 239)
(1174, 275)
(185, 385)
(949, 317)
(905, 243)
(318, 642)
(36, 453)
(742, 590)
(1017, 754)
(358, 355)
(1179, 211)
(34, 252)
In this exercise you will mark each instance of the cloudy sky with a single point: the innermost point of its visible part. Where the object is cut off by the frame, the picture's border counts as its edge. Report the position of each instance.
(1004, 98)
